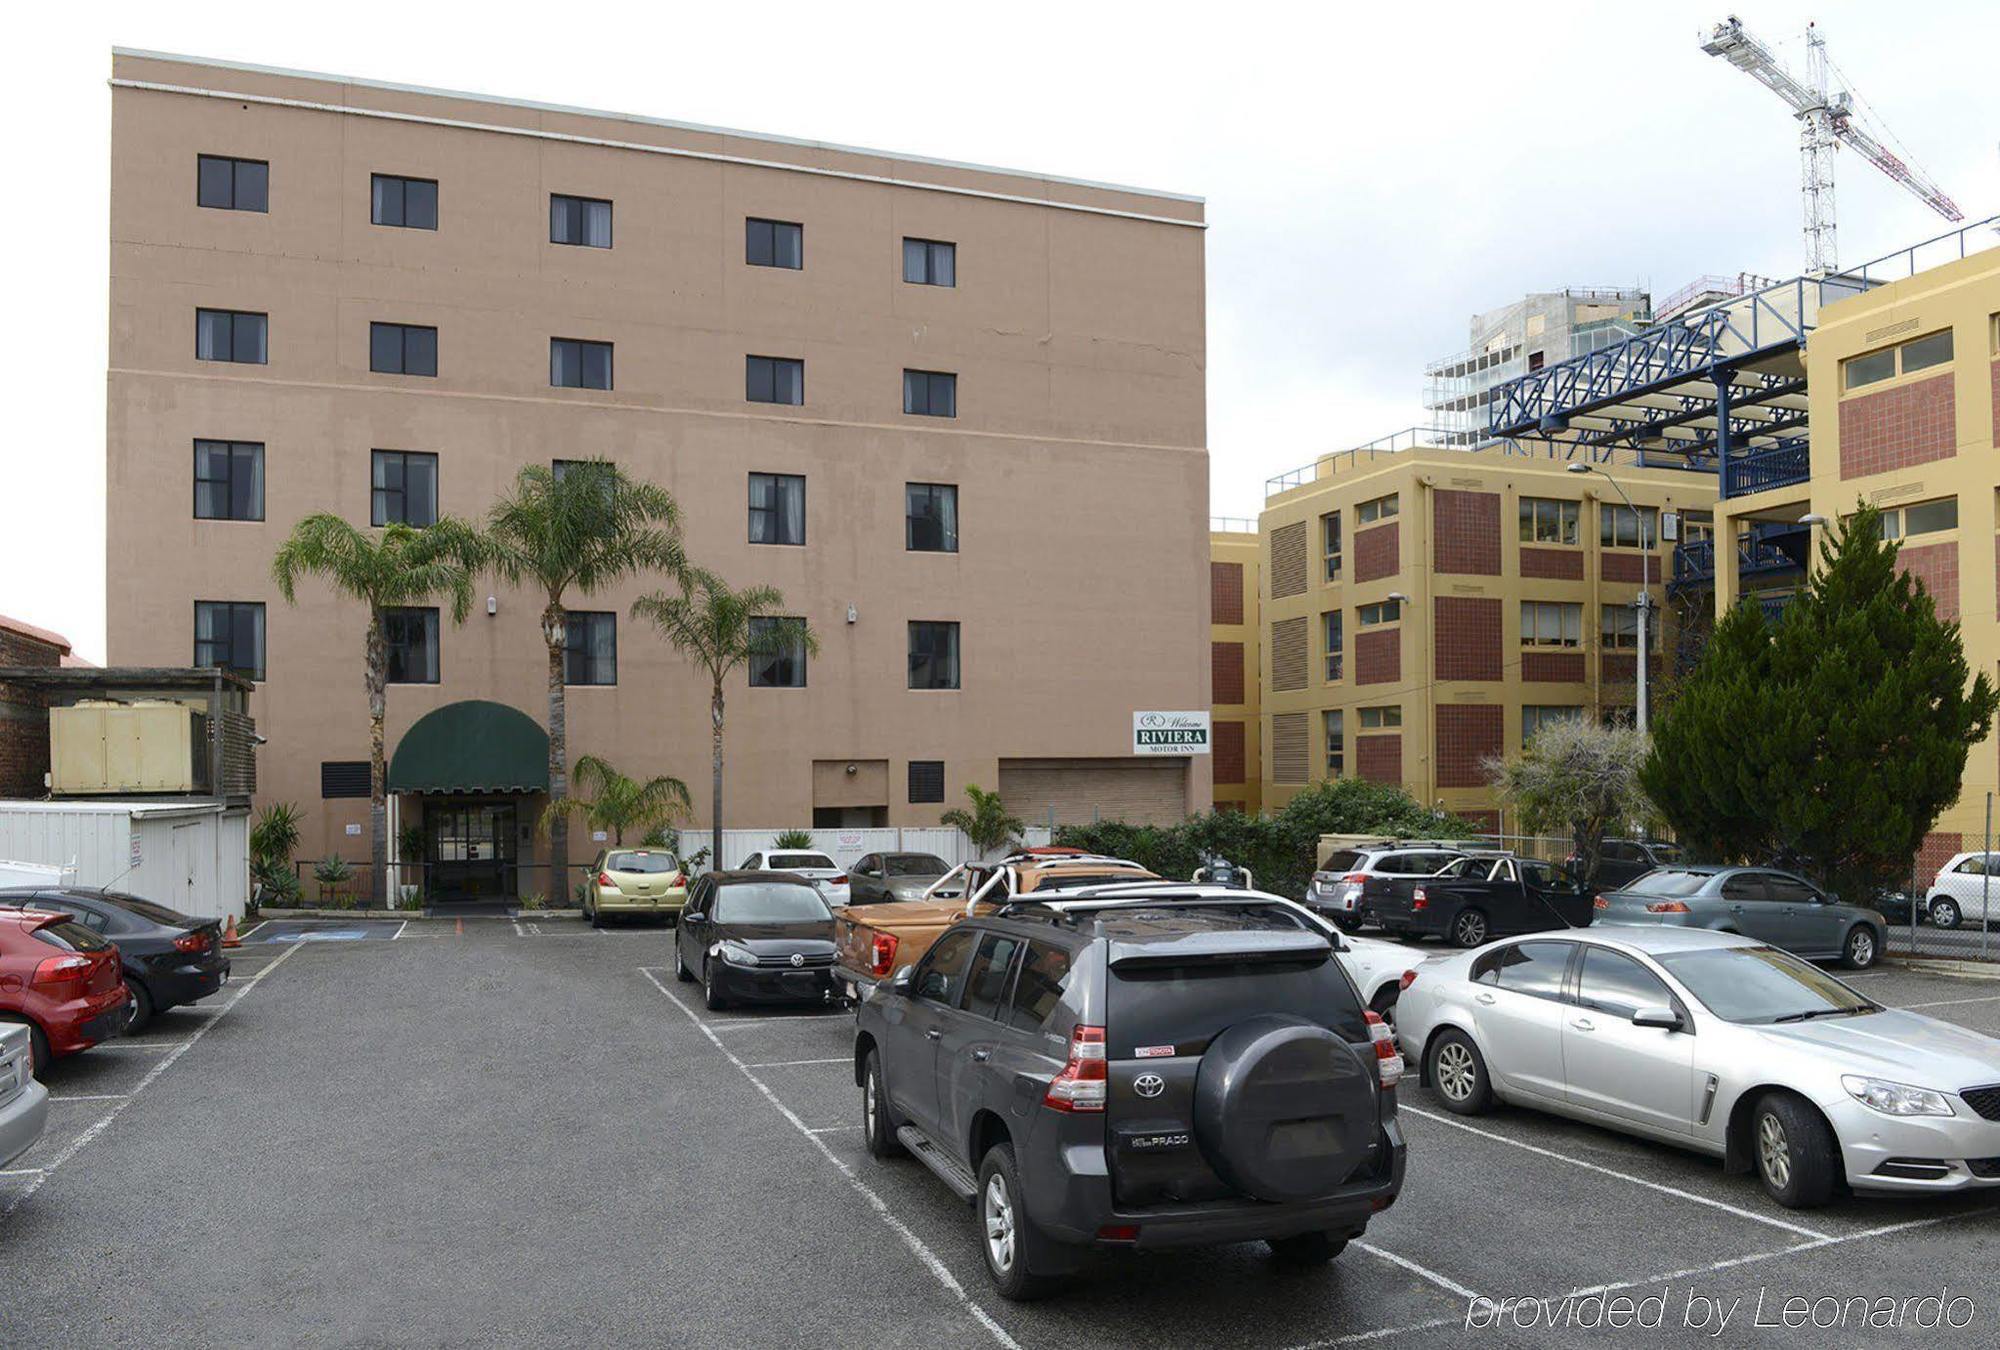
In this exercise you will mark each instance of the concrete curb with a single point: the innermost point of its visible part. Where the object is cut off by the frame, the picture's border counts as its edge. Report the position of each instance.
(1964, 970)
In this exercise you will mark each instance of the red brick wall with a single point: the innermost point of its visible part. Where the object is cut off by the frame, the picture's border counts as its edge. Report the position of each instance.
(1228, 752)
(1466, 528)
(1552, 564)
(1935, 852)
(1379, 759)
(1623, 667)
(1378, 656)
(1225, 660)
(1936, 565)
(1552, 667)
(1377, 553)
(1225, 592)
(1468, 637)
(1895, 428)
(1633, 567)
(24, 717)
(1487, 821)
(1466, 734)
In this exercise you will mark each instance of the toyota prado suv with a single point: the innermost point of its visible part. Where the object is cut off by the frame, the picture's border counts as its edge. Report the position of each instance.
(1147, 1066)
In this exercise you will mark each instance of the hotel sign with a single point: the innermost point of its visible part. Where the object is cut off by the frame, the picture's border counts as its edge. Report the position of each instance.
(1170, 733)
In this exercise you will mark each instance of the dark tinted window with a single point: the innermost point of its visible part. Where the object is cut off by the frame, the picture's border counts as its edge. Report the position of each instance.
(912, 865)
(641, 862)
(776, 663)
(343, 778)
(930, 262)
(930, 393)
(146, 909)
(933, 655)
(774, 379)
(230, 633)
(769, 902)
(409, 203)
(941, 976)
(228, 480)
(578, 364)
(590, 647)
(1788, 890)
(412, 636)
(926, 780)
(1614, 983)
(1044, 976)
(986, 982)
(1669, 882)
(226, 184)
(1186, 1005)
(1341, 860)
(72, 936)
(777, 508)
(402, 349)
(1617, 852)
(773, 243)
(585, 221)
(1533, 967)
(1744, 886)
(930, 517)
(231, 335)
(404, 487)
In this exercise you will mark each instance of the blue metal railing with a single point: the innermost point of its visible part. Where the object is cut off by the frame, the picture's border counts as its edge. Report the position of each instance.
(1774, 606)
(1783, 465)
(1760, 554)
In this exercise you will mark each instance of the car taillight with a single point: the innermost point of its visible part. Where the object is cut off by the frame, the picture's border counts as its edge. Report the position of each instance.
(1388, 1059)
(1409, 978)
(675, 880)
(191, 942)
(883, 955)
(1356, 877)
(1666, 907)
(60, 972)
(604, 879)
(837, 881)
(1600, 903)
(1418, 900)
(1084, 1081)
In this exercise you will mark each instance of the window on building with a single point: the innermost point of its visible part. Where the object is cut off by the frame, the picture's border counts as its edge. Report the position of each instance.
(1388, 717)
(1330, 628)
(590, 647)
(1335, 725)
(344, 778)
(227, 184)
(930, 262)
(926, 781)
(1620, 628)
(1548, 521)
(230, 634)
(783, 667)
(1624, 526)
(1905, 358)
(1329, 543)
(777, 508)
(412, 638)
(933, 654)
(1932, 517)
(577, 364)
(402, 349)
(584, 221)
(407, 203)
(930, 393)
(774, 379)
(228, 480)
(774, 243)
(1534, 718)
(930, 517)
(1551, 623)
(1382, 611)
(405, 488)
(1381, 508)
(231, 335)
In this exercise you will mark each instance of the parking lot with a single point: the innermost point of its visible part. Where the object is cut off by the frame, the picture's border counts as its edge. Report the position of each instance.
(499, 1132)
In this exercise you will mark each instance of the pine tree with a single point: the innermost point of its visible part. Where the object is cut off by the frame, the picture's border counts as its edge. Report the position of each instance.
(1831, 739)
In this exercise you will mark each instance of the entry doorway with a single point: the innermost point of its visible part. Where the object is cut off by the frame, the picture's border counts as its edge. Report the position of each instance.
(469, 850)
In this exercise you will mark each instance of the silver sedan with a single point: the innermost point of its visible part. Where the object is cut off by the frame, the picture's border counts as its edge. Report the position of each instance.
(1717, 1043)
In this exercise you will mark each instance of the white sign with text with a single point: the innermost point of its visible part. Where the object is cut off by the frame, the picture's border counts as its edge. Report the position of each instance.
(1170, 733)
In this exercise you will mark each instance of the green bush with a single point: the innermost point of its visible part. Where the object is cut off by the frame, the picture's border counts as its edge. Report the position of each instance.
(1280, 850)
(793, 839)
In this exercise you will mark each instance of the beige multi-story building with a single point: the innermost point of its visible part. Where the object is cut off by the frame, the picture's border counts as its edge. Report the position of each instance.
(956, 414)
(1423, 610)
(1233, 569)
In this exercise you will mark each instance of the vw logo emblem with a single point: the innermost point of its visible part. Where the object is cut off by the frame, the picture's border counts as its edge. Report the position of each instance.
(1149, 1085)
(798, 958)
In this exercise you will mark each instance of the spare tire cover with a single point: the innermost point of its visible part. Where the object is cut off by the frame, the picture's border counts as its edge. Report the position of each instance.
(1284, 1109)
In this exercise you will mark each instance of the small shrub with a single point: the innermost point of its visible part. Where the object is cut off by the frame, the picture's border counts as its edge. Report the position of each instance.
(793, 839)
(333, 874)
(534, 900)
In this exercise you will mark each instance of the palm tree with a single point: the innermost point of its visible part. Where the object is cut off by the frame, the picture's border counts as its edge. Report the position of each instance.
(717, 628)
(398, 565)
(617, 803)
(987, 824)
(581, 529)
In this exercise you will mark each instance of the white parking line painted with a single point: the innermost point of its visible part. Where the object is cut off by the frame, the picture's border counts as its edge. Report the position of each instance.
(930, 1259)
(1663, 1189)
(1424, 1272)
(729, 1023)
(1951, 1002)
(140, 1045)
(794, 1063)
(246, 932)
(88, 1096)
(175, 1051)
(22, 1172)
(832, 1129)
(399, 930)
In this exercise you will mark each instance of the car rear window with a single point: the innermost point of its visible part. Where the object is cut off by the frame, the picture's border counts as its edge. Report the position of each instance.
(643, 862)
(146, 909)
(1341, 860)
(1044, 976)
(70, 936)
(1671, 881)
(914, 865)
(786, 862)
(1185, 1006)
(777, 902)
(1526, 967)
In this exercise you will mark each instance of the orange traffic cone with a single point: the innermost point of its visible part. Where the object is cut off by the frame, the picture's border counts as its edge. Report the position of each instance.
(229, 938)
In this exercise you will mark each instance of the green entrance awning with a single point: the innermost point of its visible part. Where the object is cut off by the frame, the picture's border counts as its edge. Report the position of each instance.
(472, 746)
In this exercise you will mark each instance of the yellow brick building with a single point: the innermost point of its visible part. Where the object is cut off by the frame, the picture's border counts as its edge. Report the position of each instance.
(1233, 572)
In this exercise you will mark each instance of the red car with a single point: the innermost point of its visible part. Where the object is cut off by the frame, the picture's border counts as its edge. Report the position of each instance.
(62, 981)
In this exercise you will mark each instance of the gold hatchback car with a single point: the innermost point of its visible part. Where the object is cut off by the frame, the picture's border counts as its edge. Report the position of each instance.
(634, 881)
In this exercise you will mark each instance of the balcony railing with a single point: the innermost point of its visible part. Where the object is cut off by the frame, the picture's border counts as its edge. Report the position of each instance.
(1781, 466)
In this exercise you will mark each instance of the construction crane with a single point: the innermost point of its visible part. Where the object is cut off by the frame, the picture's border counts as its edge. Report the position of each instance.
(1827, 119)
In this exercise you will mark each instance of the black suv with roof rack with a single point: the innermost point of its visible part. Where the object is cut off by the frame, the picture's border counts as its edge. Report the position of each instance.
(1140, 1067)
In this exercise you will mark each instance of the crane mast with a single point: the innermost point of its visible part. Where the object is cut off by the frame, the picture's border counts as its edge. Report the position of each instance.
(1827, 120)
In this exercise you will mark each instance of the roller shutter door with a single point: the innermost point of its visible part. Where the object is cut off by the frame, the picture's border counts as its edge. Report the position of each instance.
(1142, 791)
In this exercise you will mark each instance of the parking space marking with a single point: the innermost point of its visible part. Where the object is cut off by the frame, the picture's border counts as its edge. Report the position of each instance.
(102, 1123)
(1950, 1002)
(931, 1260)
(1661, 1187)
(88, 1097)
(730, 1023)
(22, 1172)
(145, 1045)
(794, 1063)
(1423, 1272)
(832, 1129)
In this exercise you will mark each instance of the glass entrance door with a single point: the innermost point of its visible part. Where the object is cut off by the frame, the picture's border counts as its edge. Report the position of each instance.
(469, 847)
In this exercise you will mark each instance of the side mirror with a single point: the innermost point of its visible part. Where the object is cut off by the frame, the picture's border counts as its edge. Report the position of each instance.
(1666, 1019)
(903, 979)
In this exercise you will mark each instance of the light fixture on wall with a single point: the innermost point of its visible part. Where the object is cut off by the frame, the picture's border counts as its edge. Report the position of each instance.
(853, 614)
(853, 769)
(492, 604)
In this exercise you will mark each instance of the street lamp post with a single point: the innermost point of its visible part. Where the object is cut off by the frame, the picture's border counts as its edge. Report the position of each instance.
(1644, 602)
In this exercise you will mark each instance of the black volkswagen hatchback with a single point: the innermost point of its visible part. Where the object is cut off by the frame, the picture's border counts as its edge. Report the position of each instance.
(170, 958)
(762, 937)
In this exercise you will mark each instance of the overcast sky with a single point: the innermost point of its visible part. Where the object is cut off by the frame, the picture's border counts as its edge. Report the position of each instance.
(1373, 177)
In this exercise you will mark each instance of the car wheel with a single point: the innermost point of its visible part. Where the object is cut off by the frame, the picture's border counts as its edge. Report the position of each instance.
(1795, 1153)
(1469, 928)
(1384, 1003)
(710, 994)
(681, 971)
(881, 1135)
(1944, 913)
(1861, 949)
(1306, 1249)
(1458, 1072)
(596, 915)
(39, 1057)
(1006, 1232)
(142, 1007)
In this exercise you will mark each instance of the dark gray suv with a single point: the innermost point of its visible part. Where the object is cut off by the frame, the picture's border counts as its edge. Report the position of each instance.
(1181, 1067)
